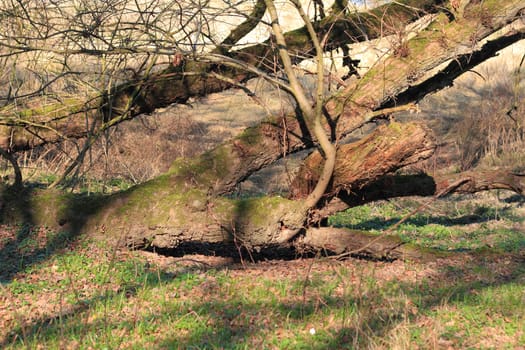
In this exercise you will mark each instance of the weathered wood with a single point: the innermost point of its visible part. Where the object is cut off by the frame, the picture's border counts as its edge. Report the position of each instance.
(185, 204)
(388, 148)
(182, 211)
(181, 206)
(395, 186)
(350, 107)
(169, 212)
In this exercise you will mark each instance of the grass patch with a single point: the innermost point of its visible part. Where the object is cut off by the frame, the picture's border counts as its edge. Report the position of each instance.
(460, 225)
(95, 298)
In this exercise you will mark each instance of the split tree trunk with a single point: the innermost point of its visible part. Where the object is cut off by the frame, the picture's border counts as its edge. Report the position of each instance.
(179, 207)
(182, 206)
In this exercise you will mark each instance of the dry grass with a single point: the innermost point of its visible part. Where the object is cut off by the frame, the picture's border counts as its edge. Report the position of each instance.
(480, 120)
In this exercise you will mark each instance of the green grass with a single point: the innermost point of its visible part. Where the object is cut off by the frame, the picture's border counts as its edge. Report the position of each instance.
(84, 294)
(495, 313)
(459, 226)
(116, 302)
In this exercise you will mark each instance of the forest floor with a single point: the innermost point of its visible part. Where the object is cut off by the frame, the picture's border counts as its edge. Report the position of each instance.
(59, 292)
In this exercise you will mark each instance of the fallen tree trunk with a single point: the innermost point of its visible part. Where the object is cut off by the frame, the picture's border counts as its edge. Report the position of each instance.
(440, 42)
(221, 226)
(173, 209)
(183, 212)
(259, 146)
(199, 78)
(355, 105)
(170, 212)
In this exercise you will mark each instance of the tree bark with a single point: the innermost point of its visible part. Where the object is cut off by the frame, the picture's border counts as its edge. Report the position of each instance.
(388, 148)
(346, 242)
(183, 211)
(443, 40)
(172, 209)
(167, 213)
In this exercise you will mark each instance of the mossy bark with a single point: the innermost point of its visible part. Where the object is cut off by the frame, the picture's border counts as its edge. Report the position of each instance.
(354, 106)
(167, 213)
(184, 205)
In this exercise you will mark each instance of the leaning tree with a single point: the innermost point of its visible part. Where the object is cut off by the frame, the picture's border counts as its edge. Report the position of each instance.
(191, 204)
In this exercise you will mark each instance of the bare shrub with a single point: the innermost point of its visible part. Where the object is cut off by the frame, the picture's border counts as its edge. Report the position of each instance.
(145, 147)
(480, 120)
(135, 151)
(493, 129)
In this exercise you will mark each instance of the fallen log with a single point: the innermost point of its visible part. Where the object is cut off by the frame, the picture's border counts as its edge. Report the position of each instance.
(181, 206)
(425, 185)
(189, 203)
(170, 212)
(345, 242)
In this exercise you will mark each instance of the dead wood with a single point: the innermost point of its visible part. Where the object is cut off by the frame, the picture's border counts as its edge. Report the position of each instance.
(425, 185)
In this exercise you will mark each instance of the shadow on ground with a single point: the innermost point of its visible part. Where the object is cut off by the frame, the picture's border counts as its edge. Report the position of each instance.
(23, 243)
(214, 320)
